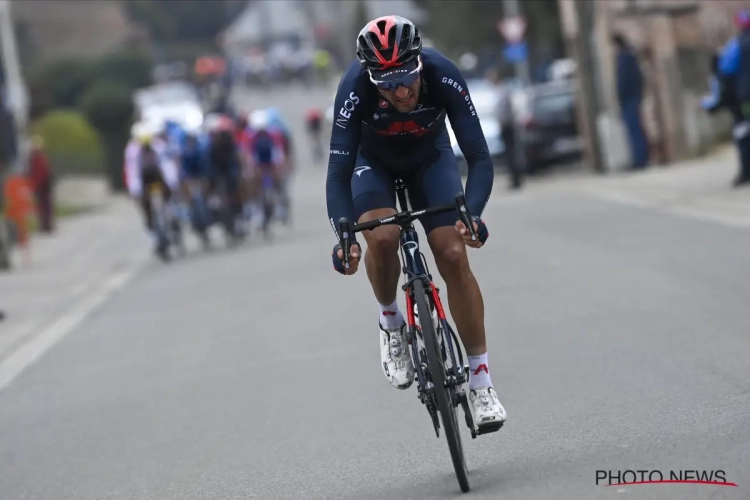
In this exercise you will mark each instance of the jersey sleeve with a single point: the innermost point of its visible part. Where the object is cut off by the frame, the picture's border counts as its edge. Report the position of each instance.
(469, 135)
(345, 135)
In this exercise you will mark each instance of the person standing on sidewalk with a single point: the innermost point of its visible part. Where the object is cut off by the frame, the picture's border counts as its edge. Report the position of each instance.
(508, 132)
(734, 70)
(40, 177)
(630, 97)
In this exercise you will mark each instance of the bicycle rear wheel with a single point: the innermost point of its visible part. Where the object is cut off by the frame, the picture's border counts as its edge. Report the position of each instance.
(444, 395)
(159, 221)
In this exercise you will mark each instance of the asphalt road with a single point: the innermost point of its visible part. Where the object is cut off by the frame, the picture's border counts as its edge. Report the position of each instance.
(618, 340)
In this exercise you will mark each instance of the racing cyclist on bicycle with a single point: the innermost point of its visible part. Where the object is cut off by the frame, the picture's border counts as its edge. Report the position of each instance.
(267, 161)
(225, 164)
(277, 125)
(147, 162)
(314, 126)
(195, 173)
(391, 106)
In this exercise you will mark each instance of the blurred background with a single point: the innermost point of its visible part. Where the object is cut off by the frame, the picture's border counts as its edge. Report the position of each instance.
(77, 74)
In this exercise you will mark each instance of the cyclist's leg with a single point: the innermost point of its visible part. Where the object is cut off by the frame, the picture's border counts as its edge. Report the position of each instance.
(149, 176)
(148, 218)
(374, 198)
(195, 195)
(233, 190)
(437, 184)
(246, 192)
(283, 175)
(200, 217)
(268, 185)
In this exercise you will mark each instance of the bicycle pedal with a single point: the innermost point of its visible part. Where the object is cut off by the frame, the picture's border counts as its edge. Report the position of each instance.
(489, 428)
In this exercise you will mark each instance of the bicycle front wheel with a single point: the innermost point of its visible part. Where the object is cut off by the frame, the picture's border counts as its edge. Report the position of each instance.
(443, 394)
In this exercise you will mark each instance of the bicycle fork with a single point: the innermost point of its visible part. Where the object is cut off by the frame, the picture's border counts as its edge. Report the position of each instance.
(456, 375)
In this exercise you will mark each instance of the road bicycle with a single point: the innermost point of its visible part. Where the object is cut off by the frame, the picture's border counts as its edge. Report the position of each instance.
(436, 350)
(166, 225)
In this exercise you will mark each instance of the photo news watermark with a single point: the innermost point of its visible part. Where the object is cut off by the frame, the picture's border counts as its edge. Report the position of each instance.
(655, 476)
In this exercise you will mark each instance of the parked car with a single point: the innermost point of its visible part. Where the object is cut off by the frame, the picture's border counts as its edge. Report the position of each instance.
(546, 115)
(484, 97)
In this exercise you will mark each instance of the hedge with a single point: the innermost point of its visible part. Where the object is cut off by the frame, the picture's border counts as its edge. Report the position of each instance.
(72, 144)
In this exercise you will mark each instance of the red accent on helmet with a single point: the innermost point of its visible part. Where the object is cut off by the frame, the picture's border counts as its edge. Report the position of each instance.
(388, 41)
(390, 23)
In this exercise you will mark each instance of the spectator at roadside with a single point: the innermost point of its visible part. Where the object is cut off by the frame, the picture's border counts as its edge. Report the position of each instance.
(40, 178)
(630, 97)
(508, 132)
(733, 85)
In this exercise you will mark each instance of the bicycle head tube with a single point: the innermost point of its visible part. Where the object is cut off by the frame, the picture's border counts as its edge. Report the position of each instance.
(412, 255)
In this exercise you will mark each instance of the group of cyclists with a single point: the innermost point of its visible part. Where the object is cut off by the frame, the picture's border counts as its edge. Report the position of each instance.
(231, 170)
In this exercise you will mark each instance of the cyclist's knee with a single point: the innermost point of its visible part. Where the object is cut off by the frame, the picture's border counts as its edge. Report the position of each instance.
(449, 250)
(383, 241)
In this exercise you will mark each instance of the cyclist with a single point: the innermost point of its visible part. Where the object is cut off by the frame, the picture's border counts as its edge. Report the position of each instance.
(314, 123)
(277, 125)
(266, 159)
(390, 107)
(240, 127)
(175, 136)
(146, 162)
(224, 158)
(195, 173)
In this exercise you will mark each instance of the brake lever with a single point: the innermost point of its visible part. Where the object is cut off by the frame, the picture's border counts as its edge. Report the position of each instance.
(465, 215)
(345, 239)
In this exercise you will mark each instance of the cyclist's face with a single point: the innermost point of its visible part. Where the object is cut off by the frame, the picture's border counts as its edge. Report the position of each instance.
(404, 99)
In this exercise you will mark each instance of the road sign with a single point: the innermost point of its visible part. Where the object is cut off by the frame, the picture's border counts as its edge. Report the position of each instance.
(512, 28)
(516, 52)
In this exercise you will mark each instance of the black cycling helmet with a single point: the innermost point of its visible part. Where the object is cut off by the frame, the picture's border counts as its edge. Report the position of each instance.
(387, 42)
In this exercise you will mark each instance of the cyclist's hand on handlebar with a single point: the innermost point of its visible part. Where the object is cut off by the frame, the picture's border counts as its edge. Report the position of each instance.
(355, 253)
(480, 228)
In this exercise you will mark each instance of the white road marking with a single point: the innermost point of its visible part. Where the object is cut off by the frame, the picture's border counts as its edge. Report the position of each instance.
(30, 352)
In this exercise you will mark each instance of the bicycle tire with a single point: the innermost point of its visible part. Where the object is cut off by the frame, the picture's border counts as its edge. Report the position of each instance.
(157, 218)
(437, 372)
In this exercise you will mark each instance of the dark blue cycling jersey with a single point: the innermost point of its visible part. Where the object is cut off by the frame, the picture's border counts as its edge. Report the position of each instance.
(367, 122)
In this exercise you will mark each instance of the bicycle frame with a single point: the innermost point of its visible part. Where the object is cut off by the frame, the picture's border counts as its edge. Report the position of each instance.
(438, 385)
(415, 267)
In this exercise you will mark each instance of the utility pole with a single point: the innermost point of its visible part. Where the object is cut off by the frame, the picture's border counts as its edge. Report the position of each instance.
(586, 62)
(17, 101)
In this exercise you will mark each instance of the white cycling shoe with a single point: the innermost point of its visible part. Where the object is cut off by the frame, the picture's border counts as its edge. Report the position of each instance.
(396, 358)
(489, 414)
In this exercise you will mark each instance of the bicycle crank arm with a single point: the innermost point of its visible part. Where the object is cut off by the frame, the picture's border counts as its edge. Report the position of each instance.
(464, 401)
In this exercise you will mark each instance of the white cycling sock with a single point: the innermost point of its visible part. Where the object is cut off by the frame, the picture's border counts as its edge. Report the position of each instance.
(391, 317)
(480, 372)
